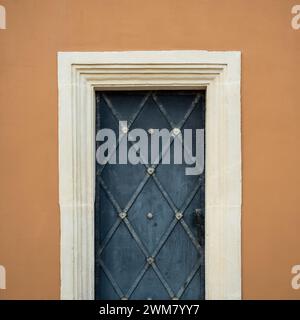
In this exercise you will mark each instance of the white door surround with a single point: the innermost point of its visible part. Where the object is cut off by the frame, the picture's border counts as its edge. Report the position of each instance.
(79, 75)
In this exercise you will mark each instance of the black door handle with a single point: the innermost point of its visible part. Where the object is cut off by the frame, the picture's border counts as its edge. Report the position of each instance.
(198, 214)
(199, 222)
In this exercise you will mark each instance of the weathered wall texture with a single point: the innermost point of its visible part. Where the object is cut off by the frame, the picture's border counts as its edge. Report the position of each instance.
(36, 30)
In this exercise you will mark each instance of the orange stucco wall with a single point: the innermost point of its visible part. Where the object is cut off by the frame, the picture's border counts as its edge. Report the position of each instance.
(37, 30)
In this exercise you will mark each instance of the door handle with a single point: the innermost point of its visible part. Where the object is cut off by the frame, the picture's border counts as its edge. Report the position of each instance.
(199, 222)
(198, 215)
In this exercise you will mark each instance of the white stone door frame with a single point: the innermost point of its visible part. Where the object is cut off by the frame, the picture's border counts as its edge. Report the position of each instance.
(79, 75)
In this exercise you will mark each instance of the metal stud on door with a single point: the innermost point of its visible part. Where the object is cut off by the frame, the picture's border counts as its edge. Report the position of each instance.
(149, 218)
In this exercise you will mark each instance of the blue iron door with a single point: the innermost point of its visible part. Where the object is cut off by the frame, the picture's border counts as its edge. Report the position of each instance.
(149, 218)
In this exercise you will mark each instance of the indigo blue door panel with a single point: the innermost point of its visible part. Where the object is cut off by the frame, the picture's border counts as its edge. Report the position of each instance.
(149, 218)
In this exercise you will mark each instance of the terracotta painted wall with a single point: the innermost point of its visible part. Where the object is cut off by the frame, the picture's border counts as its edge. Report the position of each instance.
(36, 30)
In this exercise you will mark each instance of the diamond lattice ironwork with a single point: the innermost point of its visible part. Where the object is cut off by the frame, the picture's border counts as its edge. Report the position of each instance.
(123, 211)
